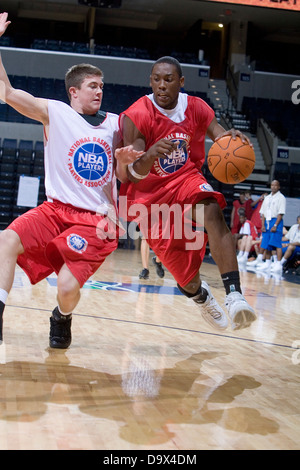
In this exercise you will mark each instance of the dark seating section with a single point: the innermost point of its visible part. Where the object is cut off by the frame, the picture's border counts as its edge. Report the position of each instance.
(18, 158)
(282, 174)
(289, 177)
(6, 41)
(111, 50)
(116, 98)
(295, 179)
(282, 117)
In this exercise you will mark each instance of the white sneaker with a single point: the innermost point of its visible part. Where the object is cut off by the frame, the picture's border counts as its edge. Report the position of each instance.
(252, 264)
(261, 264)
(211, 310)
(272, 266)
(240, 312)
(264, 266)
(277, 267)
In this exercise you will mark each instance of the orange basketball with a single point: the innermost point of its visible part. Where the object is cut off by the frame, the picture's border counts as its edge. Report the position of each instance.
(230, 161)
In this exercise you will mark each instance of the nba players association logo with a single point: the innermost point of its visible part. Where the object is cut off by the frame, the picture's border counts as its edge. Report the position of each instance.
(166, 166)
(77, 243)
(206, 187)
(90, 161)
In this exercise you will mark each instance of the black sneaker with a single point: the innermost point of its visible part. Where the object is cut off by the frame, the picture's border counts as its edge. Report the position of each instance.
(158, 266)
(144, 274)
(60, 330)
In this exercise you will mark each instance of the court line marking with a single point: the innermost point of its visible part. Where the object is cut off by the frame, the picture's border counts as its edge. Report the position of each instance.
(176, 328)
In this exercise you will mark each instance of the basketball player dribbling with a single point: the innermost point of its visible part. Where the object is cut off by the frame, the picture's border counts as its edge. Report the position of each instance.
(168, 124)
(67, 234)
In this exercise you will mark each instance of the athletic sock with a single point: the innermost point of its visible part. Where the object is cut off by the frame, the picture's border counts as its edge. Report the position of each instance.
(58, 315)
(200, 296)
(231, 282)
(3, 295)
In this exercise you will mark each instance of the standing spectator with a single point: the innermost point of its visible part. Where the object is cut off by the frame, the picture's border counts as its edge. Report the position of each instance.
(256, 220)
(249, 203)
(235, 224)
(256, 216)
(272, 212)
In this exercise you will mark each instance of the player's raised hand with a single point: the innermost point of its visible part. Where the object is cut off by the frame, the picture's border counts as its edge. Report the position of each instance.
(3, 23)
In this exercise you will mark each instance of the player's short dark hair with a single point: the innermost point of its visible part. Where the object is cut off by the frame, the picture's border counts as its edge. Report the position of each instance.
(78, 73)
(169, 60)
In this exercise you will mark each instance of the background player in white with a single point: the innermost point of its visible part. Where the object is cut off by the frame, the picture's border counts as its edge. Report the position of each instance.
(67, 233)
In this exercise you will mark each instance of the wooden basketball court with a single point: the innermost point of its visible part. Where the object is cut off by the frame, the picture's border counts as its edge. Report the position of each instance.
(144, 371)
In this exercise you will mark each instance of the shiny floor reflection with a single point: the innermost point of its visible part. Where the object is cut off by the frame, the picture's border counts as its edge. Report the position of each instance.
(145, 372)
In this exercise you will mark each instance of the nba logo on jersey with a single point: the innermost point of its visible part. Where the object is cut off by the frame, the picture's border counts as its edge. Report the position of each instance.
(206, 187)
(77, 243)
(166, 166)
(90, 161)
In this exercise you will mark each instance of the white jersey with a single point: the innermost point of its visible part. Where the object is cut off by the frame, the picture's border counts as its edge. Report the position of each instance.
(293, 234)
(79, 159)
(273, 205)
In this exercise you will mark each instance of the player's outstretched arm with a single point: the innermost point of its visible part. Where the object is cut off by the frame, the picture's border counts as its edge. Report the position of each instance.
(23, 102)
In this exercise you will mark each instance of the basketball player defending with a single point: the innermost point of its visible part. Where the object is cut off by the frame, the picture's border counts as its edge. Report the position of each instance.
(170, 127)
(68, 233)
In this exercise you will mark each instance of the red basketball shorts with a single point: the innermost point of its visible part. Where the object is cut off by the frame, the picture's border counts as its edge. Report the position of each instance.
(54, 234)
(163, 212)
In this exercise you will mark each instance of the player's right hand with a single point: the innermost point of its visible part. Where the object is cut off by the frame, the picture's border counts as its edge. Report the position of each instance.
(162, 149)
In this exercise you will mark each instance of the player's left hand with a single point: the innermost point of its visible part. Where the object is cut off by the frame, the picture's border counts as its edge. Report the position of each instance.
(3, 23)
(127, 154)
(236, 133)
